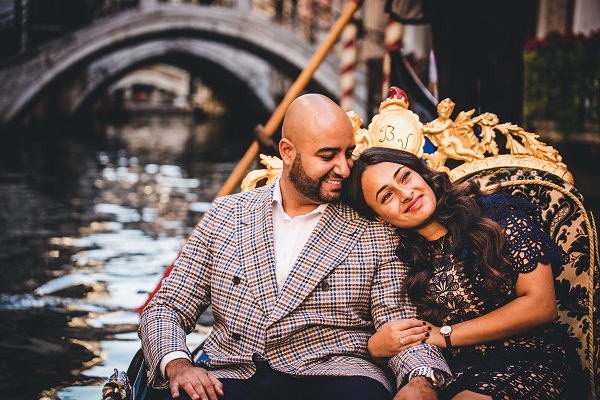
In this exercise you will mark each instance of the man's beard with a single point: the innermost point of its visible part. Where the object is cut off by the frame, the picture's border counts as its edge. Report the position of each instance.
(309, 187)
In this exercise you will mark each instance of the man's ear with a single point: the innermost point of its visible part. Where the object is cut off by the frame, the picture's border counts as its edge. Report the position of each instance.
(287, 150)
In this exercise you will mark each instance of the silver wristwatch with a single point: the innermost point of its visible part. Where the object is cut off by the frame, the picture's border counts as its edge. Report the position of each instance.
(435, 376)
(445, 331)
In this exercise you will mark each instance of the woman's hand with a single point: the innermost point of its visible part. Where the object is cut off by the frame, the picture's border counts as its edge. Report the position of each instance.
(435, 337)
(396, 336)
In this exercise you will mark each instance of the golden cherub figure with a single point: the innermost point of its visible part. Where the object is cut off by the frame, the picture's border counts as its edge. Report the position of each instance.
(452, 139)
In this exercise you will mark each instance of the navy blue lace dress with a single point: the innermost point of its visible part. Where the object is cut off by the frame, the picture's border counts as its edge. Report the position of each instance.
(536, 365)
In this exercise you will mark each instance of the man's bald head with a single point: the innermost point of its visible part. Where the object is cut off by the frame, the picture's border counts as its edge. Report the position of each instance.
(313, 115)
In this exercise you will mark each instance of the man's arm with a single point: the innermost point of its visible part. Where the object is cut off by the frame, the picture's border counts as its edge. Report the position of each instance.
(390, 304)
(184, 295)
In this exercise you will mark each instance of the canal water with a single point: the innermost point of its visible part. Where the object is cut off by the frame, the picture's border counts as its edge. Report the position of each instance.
(87, 228)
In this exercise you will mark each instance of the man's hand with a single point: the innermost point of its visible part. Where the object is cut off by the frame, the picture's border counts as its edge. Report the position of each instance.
(418, 388)
(197, 382)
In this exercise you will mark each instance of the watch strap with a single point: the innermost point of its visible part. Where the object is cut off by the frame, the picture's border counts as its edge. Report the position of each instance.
(447, 335)
(426, 372)
(448, 341)
(420, 371)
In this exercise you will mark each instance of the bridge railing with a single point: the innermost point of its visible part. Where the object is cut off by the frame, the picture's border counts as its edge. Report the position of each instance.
(310, 19)
(29, 23)
(107, 7)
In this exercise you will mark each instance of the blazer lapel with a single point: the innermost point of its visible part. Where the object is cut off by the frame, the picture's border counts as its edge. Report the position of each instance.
(256, 248)
(329, 244)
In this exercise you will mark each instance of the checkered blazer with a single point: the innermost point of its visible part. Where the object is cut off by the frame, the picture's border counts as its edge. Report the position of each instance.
(344, 283)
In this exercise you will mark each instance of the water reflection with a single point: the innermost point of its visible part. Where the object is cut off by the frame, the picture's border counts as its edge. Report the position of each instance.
(87, 231)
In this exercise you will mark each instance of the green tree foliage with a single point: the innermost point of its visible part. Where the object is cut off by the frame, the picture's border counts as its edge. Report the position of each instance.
(562, 81)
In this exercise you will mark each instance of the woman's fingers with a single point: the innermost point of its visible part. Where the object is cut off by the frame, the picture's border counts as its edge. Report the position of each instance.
(411, 332)
(412, 340)
(398, 335)
(407, 323)
(406, 328)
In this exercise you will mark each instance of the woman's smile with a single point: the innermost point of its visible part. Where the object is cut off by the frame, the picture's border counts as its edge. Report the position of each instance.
(415, 204)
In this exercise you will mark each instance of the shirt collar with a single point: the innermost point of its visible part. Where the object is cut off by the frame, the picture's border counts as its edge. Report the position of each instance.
(278, 200)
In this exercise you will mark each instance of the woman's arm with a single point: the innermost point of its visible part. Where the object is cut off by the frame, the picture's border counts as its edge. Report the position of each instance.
(535, 305)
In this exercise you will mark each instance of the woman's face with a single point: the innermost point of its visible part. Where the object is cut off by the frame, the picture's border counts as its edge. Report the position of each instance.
(399, 195)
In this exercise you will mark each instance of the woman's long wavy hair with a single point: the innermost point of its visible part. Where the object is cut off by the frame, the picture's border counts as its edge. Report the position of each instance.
(480, 239)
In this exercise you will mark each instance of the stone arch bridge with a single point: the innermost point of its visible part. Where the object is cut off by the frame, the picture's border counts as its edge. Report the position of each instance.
(75, 67)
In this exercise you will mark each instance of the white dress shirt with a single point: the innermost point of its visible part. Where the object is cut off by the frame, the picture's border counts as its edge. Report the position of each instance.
(290, 234)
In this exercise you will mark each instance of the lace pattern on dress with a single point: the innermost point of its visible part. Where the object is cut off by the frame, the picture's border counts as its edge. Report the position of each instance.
(533, 366)
(527, 243)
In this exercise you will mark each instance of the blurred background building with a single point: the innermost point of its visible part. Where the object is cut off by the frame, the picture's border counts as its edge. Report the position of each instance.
(81, 60)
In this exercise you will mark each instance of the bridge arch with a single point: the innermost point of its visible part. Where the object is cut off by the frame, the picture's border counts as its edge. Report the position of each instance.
(253, 80)
(33, 73)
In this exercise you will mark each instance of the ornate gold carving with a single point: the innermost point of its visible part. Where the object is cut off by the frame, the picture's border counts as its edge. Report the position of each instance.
(508, 160)
(453, 139)
(398, 127)
(274, 166)
(457, 139)
(362, 137)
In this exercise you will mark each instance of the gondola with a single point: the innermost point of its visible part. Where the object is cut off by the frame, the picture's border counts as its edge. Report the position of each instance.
(533, 171)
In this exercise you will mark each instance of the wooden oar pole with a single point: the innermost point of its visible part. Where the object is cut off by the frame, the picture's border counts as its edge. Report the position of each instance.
(294, 91)
(277, 116)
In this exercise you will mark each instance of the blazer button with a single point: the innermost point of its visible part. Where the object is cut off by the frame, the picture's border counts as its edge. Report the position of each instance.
(236, 280)
(236, 336)
(325, 286)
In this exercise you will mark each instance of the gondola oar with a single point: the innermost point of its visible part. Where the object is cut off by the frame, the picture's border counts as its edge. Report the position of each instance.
(294, 91)
(275, 119)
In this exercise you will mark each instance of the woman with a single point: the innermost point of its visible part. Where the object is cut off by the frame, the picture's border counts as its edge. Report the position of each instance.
(480, 276)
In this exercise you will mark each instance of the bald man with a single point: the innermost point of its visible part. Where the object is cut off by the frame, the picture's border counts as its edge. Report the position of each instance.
(297, 282)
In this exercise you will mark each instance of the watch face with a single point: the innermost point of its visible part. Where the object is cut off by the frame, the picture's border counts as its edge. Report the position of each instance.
(445, 330)
(438, 377)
